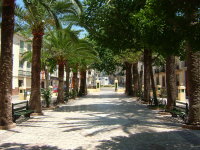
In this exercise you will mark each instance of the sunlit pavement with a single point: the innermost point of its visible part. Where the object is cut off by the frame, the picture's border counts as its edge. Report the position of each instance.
(100, 121)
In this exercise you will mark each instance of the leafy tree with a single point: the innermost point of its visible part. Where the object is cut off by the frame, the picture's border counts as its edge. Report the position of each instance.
(110, 26)
(107, 62)
(155, 34)
(6, 65)
(178, 22)
(130, 60)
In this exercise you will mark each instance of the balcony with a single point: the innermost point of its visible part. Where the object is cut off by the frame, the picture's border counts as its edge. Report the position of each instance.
(21, 73)
(24, 73)
(28, 73)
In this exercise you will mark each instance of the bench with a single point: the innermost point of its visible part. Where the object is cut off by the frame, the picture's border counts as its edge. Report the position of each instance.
(180, 109)
(19, 109)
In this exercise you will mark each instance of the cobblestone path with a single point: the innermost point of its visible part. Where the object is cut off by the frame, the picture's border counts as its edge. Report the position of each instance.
(100, 121)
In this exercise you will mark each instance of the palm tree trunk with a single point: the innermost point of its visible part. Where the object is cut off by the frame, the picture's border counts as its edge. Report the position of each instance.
(67, 69)
(129, 88)
(61, 70)
(35, 101)
(171, 82)
(47, 78)
(82, 90)
(153, 82)
(146, 75)
(194, 85)
(74, 81)
(6, 65)
(135, 79)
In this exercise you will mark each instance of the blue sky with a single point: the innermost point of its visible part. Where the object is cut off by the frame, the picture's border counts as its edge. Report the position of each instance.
(82, 34)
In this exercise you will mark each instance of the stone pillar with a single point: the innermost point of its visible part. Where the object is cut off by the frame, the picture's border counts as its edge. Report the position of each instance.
(158, 90)
(181, 93)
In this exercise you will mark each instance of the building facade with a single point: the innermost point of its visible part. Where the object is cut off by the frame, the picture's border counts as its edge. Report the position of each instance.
(181, 77)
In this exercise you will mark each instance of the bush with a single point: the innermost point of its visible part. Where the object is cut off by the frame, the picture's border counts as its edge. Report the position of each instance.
(66, 98)
(46, 94)
(72, 94)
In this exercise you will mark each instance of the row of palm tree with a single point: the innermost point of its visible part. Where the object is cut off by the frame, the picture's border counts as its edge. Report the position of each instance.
(64, 47)
(61, 47)
(38, 16)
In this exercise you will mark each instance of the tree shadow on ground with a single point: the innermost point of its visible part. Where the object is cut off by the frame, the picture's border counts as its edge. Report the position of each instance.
(174, 140)
(123, 114)
(105, 107)
(17, 146)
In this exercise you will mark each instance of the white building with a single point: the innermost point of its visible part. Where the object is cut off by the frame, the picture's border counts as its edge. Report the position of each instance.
(21, 70)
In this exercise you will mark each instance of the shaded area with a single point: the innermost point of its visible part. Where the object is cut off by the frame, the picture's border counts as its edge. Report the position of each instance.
(149, 141)
(104, 124)
(17, 146)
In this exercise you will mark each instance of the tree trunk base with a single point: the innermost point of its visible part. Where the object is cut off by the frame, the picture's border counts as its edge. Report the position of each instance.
(37, 114)
(191, 127)
(13, 125)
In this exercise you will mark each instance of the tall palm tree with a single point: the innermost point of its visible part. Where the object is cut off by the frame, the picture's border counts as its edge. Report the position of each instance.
(40, 15)
(6, 65)
(194, 85)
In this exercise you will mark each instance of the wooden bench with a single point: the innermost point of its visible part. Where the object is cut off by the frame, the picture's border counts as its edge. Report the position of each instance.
(180, 109)
(19, 109)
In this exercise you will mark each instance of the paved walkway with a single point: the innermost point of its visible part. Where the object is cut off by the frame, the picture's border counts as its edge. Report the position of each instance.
(100, 121)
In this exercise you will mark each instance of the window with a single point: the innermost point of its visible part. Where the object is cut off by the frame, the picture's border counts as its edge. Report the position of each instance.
(28, 65)
(21, 64)
(20, 83)
(29, 47)
(177, 80)
(21, 46)
(42, 85)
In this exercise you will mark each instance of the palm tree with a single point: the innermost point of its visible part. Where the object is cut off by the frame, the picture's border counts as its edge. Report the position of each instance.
(40, 15)
(62, 44)
(86, 56)
(7, 31)
(194, 85)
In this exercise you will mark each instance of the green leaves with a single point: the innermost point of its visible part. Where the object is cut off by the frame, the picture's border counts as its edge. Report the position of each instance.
(109, 24)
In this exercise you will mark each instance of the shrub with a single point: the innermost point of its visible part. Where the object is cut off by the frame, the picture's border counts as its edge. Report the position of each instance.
(46, 94)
